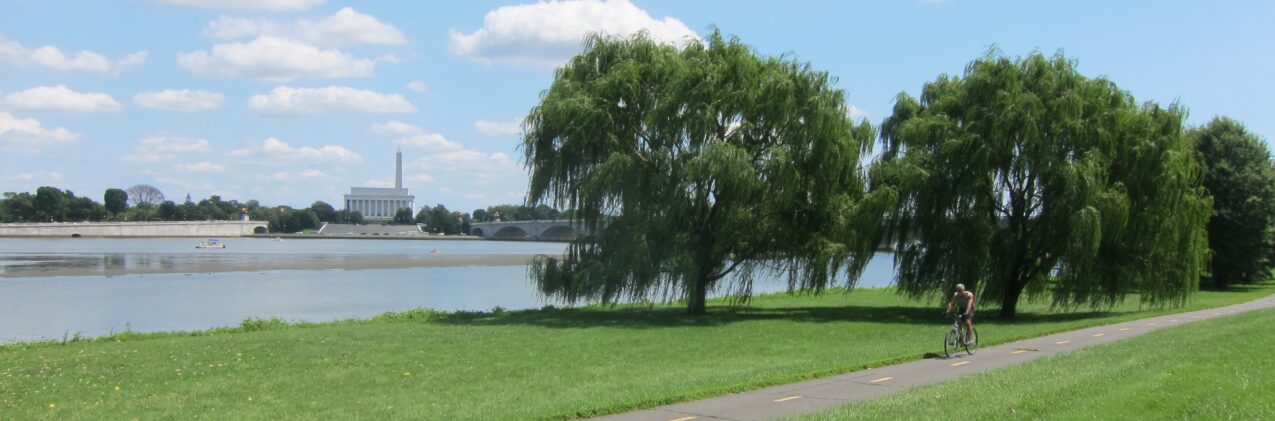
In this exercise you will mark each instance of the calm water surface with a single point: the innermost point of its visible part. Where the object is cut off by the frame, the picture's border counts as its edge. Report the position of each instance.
(50, 288)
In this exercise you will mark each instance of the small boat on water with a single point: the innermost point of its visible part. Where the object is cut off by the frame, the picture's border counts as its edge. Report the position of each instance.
(210, 244)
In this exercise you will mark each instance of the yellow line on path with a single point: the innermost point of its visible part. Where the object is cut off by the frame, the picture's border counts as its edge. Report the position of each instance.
(1217, 314)
(881, 379)
(787, 399)
(960, 363)
(1062, 342)
(1125, 328)
(1174, 320)
(1019, 351)
(1152, 324)
(683, 419)
(1099, 334)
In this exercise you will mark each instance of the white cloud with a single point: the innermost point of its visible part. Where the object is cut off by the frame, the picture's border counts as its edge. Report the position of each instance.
(417, 86)
(27, 134)
(201, 166)
(165, 148)
(476, 164)
(420, 178)
(346, 27)
(53, 58)
(284, 100)
(307, 175)
(60, 98)
(276, 149)
(414, 137)
(275, 59)
(546, 34)
(379, 182)
(856, 112)
(47, 177)
(395, 128)
(431, 141)
(261, 5)
(180, 100)
(499, 128)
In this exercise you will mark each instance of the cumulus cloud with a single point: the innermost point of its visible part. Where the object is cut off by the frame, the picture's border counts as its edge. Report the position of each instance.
(277, 149)
(499, 128)
(346, 27)
(414, 137)
(52, 57)
(201, 167)
(420, 178)
(48, 177)
(306, 175)
(417, 86)
(475, 164)
(284, 100)
(180, 100)
(856, 112)
(165, 148)
(546, 34)
(260, 5)
(60, 98)
(274, 59)
(395, 128)
(432, 141)
(27, 135)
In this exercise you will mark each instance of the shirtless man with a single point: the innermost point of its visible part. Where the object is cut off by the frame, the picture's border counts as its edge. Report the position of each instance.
(964, 301)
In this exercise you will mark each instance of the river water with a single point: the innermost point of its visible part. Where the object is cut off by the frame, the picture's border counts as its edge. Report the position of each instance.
(51, 288)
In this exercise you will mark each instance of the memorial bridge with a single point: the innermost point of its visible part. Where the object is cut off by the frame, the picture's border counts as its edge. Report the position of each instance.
(548, 230)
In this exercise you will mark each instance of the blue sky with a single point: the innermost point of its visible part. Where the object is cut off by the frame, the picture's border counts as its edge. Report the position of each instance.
(292, 101)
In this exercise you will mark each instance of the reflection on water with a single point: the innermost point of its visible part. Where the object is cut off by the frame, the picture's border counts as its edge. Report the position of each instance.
(112, 290)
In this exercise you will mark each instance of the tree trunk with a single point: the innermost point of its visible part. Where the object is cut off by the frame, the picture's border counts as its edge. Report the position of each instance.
(1009, 302)
(699, 295)
(1220, 283)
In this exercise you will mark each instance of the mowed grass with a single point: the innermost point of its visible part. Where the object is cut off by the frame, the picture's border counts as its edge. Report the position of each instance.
(506, 365)
(1214, 369)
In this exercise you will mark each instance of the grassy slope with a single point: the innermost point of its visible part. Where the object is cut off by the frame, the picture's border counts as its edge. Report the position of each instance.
(537, 364)
(1214, 369)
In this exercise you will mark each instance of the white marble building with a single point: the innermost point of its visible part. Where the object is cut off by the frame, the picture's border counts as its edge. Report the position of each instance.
(381, 202)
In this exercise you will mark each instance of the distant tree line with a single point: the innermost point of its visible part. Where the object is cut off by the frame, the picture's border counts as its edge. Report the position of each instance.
(439, 219)
(147, 203)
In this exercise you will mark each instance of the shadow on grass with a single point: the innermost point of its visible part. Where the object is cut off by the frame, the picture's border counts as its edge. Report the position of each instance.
(643, 317)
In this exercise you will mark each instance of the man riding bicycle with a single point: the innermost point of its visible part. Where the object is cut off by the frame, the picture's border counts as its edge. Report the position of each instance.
(964, 302)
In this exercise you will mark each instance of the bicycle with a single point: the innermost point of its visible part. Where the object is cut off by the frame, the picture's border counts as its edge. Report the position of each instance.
(955, 339)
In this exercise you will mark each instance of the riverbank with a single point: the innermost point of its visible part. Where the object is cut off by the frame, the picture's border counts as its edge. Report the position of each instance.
(551, 363)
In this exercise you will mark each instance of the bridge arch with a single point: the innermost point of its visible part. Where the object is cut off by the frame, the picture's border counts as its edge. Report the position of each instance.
(559, 233)
(477, 232)
(260, 230)
(510, 233)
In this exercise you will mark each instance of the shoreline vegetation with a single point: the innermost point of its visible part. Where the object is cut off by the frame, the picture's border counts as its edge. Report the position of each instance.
(530, 364)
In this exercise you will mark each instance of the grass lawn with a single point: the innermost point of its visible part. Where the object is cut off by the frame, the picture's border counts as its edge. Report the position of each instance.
(506, 365)
(1214, 369)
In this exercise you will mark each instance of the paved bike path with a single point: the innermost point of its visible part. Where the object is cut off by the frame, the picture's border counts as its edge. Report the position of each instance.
(814, 395)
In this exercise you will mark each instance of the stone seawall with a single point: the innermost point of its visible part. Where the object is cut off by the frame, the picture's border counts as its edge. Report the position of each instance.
(135, 229)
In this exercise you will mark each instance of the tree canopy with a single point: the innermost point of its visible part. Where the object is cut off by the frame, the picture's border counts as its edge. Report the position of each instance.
(693, 167)
(1025, 175)
(1239, 176)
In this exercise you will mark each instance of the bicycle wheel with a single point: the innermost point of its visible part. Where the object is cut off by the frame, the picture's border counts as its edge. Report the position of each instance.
(952, 343)
(972, 345)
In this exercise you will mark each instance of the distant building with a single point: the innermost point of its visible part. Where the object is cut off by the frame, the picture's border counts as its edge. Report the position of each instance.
(381, 202)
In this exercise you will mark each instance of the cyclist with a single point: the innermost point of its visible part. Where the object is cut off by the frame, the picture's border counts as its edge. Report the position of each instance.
(964, 302)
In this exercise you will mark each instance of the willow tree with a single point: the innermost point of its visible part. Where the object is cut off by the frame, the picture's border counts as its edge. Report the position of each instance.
(1239, 176)
(1024, 175)
(693, 167)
